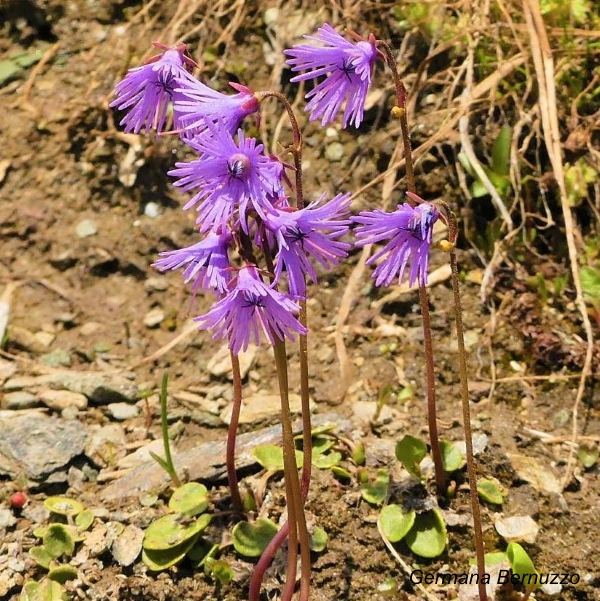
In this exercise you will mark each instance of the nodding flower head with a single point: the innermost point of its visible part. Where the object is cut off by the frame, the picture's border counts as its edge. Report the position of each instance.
(249, 307)
(408, 234)
(147, 91)
(347, 67)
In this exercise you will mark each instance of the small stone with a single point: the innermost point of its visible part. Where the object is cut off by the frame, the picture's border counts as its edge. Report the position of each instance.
(220, 363)
(122, 411)
(90, 328)
(7, 519)
(7, 369)
(18, 400)
(144, 454)
(58, 400)
(517, 528)
(26, 340)
(154, 318)
(155, 284)
(334, 152)
(106, 444)
(271, 16)
(128, 545)
(57, 358)
(152, 210)
(86, 228)
(46, 338)
(552, 589)
(261, 406)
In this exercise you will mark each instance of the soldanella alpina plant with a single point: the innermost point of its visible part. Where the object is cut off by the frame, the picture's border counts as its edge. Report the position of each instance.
(259, 239)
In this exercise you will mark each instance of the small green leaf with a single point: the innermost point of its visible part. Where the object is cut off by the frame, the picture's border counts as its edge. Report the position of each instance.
(170, 531)
(270, 456)
(452, 458)
(376, 492)
(63, 506)
(411, 451)
(427, 537)
(520, 562)
(327, 461)
(588, 455)
(358, 453)
(318, 540)
(501, 152)
(41, 556)
(190, 499)
(46, 590)
(219, 569)
(58, 541)
(251, 540)
(62, 573)
(590, 283)
(388, 587)
(491, 559)
(85, 519)
(341, 473)
(164, 559)
(394, 523)
(9, 70)
(321, 445)
(490, 491)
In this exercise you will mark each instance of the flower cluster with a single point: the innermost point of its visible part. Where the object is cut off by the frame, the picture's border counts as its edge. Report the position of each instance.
(240, 197)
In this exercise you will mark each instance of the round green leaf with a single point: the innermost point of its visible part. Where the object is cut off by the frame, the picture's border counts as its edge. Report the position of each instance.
(395, 523)
(388, 587)
(41, 556)
(588, 455)
(376, 492)
(490, 491)
(63, 506)
(58, 540)
(318, 540)
(411, 451)
(189, 499)
(341, 473)
(62, 573)
(427, 537)
(270, 456)
(84, 519)
(171, 531)
(520, 562)
(48, 590)
(219, 569)
(452, 458)
(251, 540)
(162, 560)
(328, 460)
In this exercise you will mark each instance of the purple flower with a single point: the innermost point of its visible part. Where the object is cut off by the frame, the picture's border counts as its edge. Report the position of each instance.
(199, 104)
(206, 262)
(408, 231)
(347, 67)
(249, 307)
(312, 231)
(232, 178)
(147, 91)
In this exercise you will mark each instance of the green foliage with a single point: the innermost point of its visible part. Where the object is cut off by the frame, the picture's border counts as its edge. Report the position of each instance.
(427, 537)
(452, 458)
(318, 540)
(63, 506)
(410, 451)
(45, 590)
(376, 492)
(58, 541)
(588, 455)
(577, 179)
(565, 14)
(520, 563)
(395, 523)
(190, 499)
(489, 491)
(251, 540)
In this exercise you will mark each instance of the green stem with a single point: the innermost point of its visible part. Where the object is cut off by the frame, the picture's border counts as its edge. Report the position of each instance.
(164, 424)
(234, 488)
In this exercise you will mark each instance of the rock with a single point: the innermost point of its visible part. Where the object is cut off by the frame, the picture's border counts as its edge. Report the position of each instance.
(106, 444)
(86, 228)
(18, 400)
(517, 528)
(259, 407)
(143, 454)
(57, 358)
(530, 470)
(7, 519)
(7, 369)
(156, 284)
(38, 446)
(220, 364)
(152, 210)
(480, 442)
(122, 411)
(90, 328)
(128, 545)
(364, 412)
(26, 340)
(154, 317)
(334, 152)
(58, 400)
(470, 592)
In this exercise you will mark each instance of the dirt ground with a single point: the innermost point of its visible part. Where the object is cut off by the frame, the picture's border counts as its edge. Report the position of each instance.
(85, 209)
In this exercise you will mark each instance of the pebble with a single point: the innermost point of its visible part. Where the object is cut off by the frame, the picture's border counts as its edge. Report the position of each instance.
(7, 369)
(89, 328)
(58, 400)
(26, 340)
(7, 519)
(18, 400)
(517, 528)
(106, 444)
(155, 284)
(86, 228)
(334, 152)
(220, 363)
(128, 545)
(154, 318)
(261, 406)
(37, 445)
(122, 411)
(152, 210)
(57, 358)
